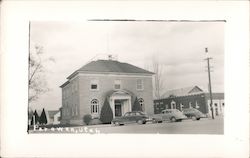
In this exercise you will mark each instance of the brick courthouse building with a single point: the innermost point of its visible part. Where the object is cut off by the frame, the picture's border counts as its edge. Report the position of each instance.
(188, 97)
(86, 89)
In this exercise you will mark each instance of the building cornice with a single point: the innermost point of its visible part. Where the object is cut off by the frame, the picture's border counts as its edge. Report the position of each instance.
(64, 84)
(91, 73)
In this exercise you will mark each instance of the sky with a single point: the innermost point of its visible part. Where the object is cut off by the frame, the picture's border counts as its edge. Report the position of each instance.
(179, 47)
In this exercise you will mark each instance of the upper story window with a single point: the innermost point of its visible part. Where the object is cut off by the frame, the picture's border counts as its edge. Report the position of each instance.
(94, 85)
(139, 84)
(117, 84)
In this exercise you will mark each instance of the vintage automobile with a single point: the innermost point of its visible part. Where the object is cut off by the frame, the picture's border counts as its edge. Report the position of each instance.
(173, 115)
(193, 113)
(131, 117)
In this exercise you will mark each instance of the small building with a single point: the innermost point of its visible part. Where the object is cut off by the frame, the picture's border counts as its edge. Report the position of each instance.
(53, 116)
(120, 83)
(190, 97)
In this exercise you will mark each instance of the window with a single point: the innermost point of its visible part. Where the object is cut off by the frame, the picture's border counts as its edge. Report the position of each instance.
(181, 106)
(94, 106)
(190, 104)
(94, 85)
(141, 102)
(139, 84)
(173, 105)
(197, 105)
(117, 84)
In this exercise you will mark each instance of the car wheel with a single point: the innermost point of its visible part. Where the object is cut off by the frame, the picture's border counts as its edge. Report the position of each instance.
(198, 118)
(154, 121)
(140, 122)
(179, 120)
(193, 118)
(117, 123)
(173, 119)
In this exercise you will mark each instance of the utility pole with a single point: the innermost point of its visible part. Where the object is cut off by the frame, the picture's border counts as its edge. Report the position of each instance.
(210, 86)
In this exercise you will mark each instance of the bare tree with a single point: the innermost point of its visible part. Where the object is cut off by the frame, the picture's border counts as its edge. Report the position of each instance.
(37, 70)
(159, 80)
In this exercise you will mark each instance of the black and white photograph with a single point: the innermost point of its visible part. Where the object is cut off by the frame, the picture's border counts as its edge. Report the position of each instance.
(124, 79)
(126, 76)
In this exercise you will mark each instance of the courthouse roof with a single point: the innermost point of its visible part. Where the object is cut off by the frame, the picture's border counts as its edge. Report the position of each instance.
(110, 66)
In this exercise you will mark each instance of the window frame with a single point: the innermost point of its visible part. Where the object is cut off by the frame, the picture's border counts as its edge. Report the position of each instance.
(94, 82)
(94, 106)
(119, 83)
(139, 84)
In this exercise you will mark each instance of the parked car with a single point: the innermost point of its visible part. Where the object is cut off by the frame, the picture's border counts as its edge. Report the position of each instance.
(193, 113)
(173, 115)
(131, 117)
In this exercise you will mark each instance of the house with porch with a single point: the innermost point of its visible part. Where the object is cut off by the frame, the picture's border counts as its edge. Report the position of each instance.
(120, 83)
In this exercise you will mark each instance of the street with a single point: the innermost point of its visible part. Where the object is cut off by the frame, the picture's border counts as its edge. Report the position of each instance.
(203, 126)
